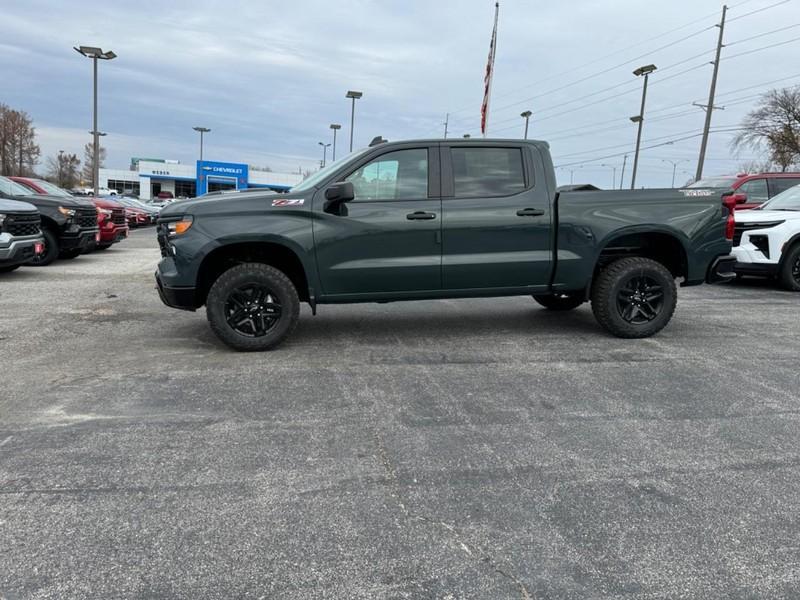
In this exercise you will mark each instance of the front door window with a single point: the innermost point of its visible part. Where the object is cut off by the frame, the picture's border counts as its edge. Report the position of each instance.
(400, 175)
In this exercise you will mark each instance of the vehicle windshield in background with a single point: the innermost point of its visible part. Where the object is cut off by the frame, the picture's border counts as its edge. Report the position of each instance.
(788, 200)
(12, 188)
(714, 182)
(53, 189)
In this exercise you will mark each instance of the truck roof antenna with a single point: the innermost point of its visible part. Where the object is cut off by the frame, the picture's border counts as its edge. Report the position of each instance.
(377, 140)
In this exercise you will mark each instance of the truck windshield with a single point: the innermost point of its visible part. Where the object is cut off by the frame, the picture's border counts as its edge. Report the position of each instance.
(12, 188)
(52, 189)
(314, 179)
(714, 182)
(788, 200)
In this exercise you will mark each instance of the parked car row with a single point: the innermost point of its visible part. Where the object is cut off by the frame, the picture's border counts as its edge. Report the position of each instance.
(41, 222)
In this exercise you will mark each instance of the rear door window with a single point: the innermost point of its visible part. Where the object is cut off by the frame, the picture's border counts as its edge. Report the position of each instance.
(487, 172)
(756, 190)
(781, 184)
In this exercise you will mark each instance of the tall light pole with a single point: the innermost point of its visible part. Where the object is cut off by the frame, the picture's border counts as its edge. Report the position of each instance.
(645, 70)
(336, 127)
(622, 174)
(527, 116)
(674, 164)
(95, 54)
(201, 130)
(324, 152)
(613, 174)
(354, 96)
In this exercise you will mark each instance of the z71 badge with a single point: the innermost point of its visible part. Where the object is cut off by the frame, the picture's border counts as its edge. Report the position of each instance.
(287, 202)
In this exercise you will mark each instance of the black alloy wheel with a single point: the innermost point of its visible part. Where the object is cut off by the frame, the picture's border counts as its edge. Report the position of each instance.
(640, 299)
(252, 309)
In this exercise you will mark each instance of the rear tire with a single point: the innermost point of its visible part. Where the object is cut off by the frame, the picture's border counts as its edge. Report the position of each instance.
(252, 307)
(560, 302)
(50, 249)
(634, 297)
(790, 271)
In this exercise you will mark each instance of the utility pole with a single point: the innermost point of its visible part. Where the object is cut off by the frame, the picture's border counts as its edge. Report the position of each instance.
(710, 106)
(446, 123)
(622, 175)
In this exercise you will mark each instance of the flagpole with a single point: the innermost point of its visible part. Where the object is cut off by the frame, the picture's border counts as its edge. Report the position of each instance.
(489, 74)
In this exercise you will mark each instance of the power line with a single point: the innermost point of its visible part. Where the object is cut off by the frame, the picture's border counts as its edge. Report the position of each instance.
(753, 37)
(762, 48)
(758, 10)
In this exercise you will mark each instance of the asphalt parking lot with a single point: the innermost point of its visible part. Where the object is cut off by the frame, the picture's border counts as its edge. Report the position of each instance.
(444, 449)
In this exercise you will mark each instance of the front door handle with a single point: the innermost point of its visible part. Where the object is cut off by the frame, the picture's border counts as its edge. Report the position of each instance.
(530, 212)
(420, 215)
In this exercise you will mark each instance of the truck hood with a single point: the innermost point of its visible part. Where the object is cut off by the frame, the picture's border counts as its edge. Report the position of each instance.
(757, 216)
(45, 200)
(16, 206)
(221, 202)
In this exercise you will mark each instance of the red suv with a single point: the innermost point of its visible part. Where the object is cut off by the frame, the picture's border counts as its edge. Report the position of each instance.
(751, 190)
(110, 215)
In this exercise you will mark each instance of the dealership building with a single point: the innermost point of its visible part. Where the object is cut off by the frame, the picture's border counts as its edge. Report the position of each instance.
(147, 177)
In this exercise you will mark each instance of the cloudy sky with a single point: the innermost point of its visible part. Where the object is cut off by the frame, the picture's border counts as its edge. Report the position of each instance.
(269, 77)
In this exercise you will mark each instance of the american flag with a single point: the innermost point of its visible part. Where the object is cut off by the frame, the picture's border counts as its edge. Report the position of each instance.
(487, 80)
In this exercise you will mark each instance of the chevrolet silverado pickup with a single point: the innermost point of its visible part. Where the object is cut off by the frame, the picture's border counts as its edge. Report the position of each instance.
(439, 219)
(20, 236)
(69, 225)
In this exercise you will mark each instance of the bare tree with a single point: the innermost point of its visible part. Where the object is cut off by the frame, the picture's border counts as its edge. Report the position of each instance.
(88, 162)
(264, 169)
(63, 170)
(774, 123)
(19, 152)
(756, 166)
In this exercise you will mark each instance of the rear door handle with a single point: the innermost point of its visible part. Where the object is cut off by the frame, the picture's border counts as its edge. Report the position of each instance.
(530, 212)
(420, 216)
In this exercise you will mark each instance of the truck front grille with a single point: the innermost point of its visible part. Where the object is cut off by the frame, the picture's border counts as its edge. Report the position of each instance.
(118, 216)
(22, 224)
(86, 217)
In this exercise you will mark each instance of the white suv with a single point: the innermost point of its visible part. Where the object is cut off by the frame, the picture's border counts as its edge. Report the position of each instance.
(766, 241)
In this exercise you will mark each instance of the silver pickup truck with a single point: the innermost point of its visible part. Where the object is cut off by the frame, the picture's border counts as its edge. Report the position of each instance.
(20, 234)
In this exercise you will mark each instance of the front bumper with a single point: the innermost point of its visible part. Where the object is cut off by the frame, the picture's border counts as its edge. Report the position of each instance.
(182, 298)
(721, 270)
(761, 269)
(114, 234)
(18, 250)
(76, 238)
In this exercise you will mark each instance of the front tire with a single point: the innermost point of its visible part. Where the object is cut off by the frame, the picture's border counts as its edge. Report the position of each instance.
(50, 249)
(252, 307)
(634, 297)
(790, 271)
(560, 302)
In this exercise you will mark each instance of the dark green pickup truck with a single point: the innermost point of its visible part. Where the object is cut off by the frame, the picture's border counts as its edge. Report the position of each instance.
(438, 219)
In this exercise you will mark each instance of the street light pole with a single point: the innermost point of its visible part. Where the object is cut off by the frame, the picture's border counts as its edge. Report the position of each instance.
(613, 174)
(354, 96)
(526, 115)
(336, 127)
(674, 164)
(324, 153)
(95, 54)
(645, 70)
(201, 130)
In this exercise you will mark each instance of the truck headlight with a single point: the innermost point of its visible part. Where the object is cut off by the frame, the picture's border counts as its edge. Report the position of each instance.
(67, 212)
(179, 227)
(2, 218)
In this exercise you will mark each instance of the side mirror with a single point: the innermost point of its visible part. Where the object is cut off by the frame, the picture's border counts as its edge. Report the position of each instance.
(338, 193)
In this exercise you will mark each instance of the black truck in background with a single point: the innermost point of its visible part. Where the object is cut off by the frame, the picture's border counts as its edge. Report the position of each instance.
(20, 235)
(69, 225)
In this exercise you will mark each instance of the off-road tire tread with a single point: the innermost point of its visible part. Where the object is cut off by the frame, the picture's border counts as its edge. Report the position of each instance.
(282, 286)
(785, 276)
(604, 304)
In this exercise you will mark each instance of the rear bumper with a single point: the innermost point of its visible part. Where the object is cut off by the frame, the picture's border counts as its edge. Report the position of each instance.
(721, 270)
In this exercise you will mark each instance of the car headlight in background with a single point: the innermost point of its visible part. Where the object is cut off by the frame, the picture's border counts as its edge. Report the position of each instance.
(67, 212)
(179, 227)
